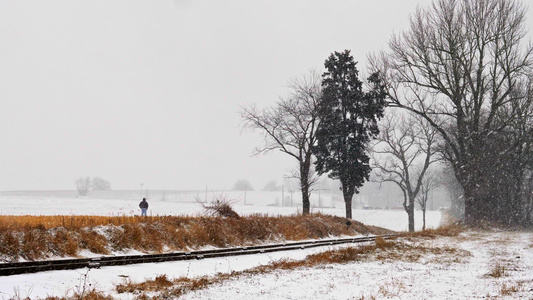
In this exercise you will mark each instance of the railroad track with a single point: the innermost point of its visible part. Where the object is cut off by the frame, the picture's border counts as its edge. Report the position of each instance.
(69, 264)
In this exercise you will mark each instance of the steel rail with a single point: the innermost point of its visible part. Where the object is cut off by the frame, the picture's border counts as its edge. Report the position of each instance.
(15, 268)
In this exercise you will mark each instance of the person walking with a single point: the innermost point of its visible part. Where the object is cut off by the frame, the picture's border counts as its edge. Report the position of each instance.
(144, 207)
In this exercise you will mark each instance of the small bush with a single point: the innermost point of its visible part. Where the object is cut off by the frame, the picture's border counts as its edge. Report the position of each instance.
(220, 208)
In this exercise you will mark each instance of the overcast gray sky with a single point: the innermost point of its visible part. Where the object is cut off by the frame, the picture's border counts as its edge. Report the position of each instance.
(149, 91)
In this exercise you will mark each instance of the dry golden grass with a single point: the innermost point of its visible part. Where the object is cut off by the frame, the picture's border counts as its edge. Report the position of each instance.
(169, 289)
(160, 282)
(508, 289)
(68, 222)
(382, 243)
(451, 230)
(91, 295)
(392, 289)
(498, 270)
(387, 290)
(511, 288)
(38, 237)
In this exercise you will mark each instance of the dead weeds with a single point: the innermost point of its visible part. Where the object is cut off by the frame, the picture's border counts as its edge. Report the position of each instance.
(511, 288)
(498, 270)
(39, 237)
(450, 231)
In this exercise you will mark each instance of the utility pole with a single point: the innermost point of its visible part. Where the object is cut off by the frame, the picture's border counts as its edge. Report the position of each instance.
(282, 194)
(291, 191)
(319, 198)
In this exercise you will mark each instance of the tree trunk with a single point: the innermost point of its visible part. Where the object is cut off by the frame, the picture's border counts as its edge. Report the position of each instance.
(348, 205)
(474, 212)
(409, 206)
(517, 207)
(424, 219)
(305, 200)
(473, 185)
(470, 213)
(411, 216)
(478, 207)
(305, 166)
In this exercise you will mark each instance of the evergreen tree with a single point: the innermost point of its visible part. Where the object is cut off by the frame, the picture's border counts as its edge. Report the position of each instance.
(348, 120)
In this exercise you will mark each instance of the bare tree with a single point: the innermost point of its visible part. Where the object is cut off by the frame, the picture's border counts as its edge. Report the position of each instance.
(271, 186)
(460, 62)
(290, 127)
(405, 149)
(429, 182)
(242, 185)
(100, 184)
(82, 185)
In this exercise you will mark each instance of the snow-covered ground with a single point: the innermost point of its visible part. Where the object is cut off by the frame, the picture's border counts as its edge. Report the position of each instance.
(466, 276)
(463, 274)
(460, 274)
(318, 281)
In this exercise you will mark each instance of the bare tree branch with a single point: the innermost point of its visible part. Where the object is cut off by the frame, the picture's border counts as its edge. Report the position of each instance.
(290, 127)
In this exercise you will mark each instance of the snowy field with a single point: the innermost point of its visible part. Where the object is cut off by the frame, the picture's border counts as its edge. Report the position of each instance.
(465, 275)
(187, 203)
(61, 283)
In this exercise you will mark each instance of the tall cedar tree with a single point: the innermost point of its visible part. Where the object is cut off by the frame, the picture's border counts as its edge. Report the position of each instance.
(348, 121)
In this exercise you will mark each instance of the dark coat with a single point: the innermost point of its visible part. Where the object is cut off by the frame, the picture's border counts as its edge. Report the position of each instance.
(143, 204)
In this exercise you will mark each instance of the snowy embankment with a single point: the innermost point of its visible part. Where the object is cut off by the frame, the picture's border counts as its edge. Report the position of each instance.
(495, 265)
